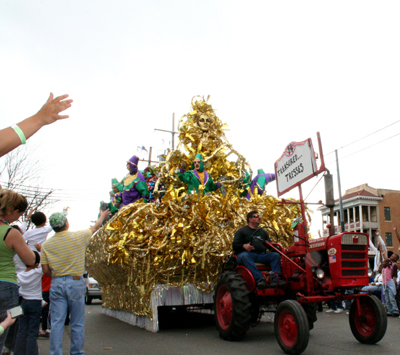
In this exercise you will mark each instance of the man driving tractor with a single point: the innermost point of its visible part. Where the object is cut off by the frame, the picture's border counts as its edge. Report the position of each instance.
(250, 248)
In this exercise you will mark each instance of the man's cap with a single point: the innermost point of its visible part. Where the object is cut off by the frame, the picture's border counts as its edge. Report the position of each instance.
(199, 156)
(58, 219)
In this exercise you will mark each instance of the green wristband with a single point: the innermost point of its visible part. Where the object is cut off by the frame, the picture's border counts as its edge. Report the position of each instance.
(1, 330)
(21, 134)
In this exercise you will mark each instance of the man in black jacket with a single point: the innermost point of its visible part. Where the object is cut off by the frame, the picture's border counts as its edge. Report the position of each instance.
(250, 248)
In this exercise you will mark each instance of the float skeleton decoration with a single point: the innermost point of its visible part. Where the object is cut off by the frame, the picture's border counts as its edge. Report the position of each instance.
(204, 122)
(186, 237)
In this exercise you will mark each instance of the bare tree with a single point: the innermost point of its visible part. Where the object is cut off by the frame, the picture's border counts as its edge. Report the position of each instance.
(22, 172)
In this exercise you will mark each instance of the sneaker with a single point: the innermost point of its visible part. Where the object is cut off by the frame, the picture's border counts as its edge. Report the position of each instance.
(44, 335)
(330, 310)
(349, 313)
(44, 303)
(339, 310)
(277, 283)
(261, 285)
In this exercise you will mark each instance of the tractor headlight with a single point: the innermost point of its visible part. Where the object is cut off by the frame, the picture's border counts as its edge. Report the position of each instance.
(320, 273)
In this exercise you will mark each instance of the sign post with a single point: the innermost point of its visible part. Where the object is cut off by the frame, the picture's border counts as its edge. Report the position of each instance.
(297, 165)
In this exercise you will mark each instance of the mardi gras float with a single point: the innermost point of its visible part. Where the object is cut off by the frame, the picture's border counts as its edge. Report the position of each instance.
(170, 252)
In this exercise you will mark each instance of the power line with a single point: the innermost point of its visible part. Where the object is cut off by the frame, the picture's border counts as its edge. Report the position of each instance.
(32, 195)
(384, 140)
(364, 138)
(57, 192)
(54, 189)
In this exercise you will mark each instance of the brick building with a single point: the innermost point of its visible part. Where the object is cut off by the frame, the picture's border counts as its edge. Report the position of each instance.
(367, 210)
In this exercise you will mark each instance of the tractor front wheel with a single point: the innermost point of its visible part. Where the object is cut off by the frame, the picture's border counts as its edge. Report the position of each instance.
(291, 327)
(368, 324)
(232, 306)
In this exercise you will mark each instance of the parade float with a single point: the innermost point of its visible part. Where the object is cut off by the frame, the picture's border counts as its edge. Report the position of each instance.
(170, 252)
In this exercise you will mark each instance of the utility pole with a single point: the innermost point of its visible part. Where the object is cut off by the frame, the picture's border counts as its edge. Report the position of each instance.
(172, 132)
(340, 194)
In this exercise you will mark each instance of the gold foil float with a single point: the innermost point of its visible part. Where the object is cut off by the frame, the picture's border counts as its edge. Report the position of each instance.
(185, 238)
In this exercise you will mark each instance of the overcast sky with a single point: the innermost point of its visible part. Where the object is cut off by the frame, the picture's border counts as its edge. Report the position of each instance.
(277, 72)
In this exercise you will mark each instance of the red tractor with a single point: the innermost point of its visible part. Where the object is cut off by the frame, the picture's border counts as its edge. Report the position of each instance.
(314, 271)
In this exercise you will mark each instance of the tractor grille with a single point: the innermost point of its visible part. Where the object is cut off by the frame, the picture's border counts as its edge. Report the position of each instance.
(354, 257)
(353, 247)
(352, 273)
(360, 264)
(346, 256)
(354, 239)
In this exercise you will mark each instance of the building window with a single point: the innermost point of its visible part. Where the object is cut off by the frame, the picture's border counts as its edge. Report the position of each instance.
(365, 216)
(337, 215)
(351, 215)
(374, 217)
(389, 242)
(387, 213)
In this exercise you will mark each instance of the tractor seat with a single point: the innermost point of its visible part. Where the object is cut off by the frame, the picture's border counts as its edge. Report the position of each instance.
(263, 267)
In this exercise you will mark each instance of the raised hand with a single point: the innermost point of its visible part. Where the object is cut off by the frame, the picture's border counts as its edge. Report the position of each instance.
(49, 112)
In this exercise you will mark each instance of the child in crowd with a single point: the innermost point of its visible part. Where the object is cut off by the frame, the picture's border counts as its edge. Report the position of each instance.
(389, 286)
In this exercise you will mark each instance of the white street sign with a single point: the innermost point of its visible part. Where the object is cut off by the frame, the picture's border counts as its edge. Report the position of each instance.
(296, 165)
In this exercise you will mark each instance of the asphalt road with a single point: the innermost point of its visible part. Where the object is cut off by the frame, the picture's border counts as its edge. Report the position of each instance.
(195, 334)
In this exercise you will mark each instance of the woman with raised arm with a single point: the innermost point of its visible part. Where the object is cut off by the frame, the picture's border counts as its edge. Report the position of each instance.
(12, 137)
(12, 207)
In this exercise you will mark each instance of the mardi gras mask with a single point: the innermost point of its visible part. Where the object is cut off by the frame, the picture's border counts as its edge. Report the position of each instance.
(204, 122)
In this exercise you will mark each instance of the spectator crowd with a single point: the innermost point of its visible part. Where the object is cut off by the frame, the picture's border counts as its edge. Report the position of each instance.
(38, 275)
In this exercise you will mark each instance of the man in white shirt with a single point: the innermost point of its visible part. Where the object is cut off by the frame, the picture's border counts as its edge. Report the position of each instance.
(378, 256)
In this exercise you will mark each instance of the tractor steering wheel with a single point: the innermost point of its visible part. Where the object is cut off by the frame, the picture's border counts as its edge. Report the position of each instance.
(268, 227)
(265, 227)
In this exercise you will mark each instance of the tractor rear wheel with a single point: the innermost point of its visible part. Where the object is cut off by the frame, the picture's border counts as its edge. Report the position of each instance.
(369, 325)
(232, 306)
(291, 327)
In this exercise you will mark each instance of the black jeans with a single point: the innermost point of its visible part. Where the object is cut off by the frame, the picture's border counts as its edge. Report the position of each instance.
(28, 329)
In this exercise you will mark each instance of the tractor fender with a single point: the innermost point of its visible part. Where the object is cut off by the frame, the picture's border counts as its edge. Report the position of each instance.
(247, 277)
